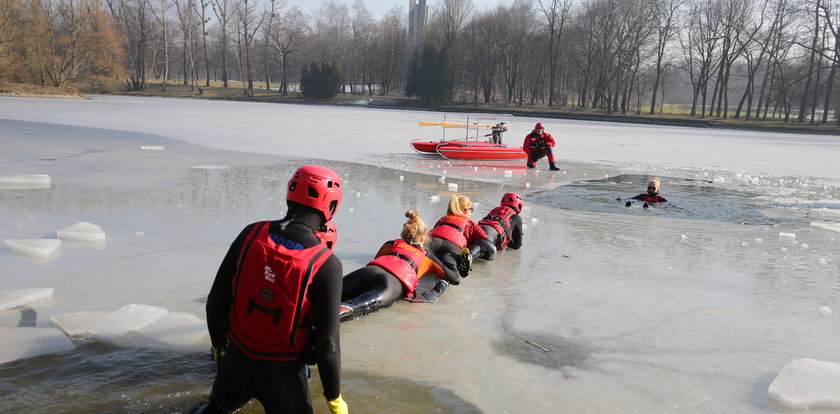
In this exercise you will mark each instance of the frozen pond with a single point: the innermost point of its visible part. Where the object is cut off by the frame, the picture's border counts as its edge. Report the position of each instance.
(694, 307)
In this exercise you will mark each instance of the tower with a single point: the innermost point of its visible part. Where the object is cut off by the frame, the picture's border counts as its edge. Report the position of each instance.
(417, 12)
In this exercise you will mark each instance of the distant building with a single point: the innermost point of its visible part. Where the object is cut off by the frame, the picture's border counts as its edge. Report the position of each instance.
(417, 13)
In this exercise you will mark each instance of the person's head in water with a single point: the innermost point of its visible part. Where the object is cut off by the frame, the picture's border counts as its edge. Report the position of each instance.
(460, 204)
(653, 186)
(415, 228)
(314, 188)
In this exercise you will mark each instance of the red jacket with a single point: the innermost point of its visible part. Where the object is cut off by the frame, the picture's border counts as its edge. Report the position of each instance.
(537, 144)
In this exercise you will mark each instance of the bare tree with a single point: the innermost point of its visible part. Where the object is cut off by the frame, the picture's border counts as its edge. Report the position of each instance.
(249, 21)
(556, 13)
(391, 49)
(665, 21)
(133, 19)
(224, 11)
(287, 40)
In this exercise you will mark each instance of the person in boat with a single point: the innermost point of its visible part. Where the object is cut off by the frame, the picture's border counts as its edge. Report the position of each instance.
(455, 237)
(395, 273)
(496, 133)
(274, 304)
(537, 145)
(651, 197)
(503, 226)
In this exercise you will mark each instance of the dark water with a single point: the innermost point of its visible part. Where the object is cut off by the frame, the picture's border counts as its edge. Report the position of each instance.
(687, 199)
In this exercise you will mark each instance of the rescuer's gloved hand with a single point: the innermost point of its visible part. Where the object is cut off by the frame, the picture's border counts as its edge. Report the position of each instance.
(338, 405)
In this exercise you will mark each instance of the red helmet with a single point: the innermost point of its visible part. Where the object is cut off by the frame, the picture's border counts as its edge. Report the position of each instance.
(317, 187)
(539, 126)
(328, 234)
(513, 201)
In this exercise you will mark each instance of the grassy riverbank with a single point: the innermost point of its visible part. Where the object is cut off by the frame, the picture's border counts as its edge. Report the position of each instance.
(670, 115)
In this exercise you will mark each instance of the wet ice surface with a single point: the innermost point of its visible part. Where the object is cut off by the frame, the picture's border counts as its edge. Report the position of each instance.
(693, 308)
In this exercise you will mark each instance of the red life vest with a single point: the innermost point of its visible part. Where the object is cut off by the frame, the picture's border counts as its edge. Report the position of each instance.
(451, 227)
(499, 219)
(271, 317)
(402, 262)
(652, 199)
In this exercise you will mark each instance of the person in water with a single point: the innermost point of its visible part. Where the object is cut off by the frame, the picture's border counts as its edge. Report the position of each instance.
(503, 226)
(537, 145)
(274, 306)
(455, 237)
(652, 196)
(395, 272)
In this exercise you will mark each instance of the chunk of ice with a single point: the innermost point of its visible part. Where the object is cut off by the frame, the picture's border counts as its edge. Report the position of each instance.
(78, 323)
(508, 173)
(787, 236)
(82, 231)
(128, 318)
(23, 182)
(152, 147)
(18, 343)
(824, 310)
(806, 384)
(33, 247)
(176, 328)
(15, 298)
(835, 227)
(453, 187)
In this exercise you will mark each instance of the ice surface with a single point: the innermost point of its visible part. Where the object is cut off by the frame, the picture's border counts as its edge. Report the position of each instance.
(42, 248)
(179, 329)
(18, 343)
(128, 318)
(78, 323)
(82, 231)
(806, 384)
(22, 182)
(638, 318)
(15, 298)
(824, 225)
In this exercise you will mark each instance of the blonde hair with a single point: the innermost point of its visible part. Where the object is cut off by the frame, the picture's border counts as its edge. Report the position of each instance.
(654, 180)
(415, 228)
(458, 204)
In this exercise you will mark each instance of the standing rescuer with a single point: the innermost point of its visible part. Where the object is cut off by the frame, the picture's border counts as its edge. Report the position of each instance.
(537, 145)
(274, 305)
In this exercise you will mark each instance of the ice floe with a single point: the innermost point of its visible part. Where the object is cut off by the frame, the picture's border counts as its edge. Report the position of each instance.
(806, 384)
(43, 248)
(18, 343)
(16, 298)
(82, 231)
(24, 182)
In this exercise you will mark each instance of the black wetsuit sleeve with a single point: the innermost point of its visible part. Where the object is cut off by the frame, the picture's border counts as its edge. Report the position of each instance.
(515, 232)
(662, 200)
(638, 197)
(451, 276)
(325, 294)
(221, 294)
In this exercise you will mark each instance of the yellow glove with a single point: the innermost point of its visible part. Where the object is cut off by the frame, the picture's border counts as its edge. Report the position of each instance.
(218, 354)
(338, 406)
